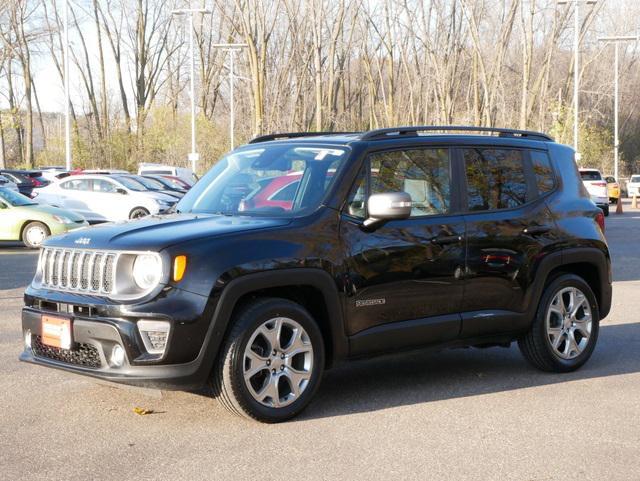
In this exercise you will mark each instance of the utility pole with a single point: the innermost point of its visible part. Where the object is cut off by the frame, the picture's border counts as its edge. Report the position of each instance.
(232, 48)
(67, 113)
(194, 157)
(616, 102)
(576, 65)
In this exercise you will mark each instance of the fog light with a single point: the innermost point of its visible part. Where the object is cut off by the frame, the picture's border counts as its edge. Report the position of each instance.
(154, 335)
(117, 356)
(27, 339)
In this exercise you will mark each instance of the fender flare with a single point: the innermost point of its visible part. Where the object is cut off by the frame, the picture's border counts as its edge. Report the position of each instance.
(241, 286)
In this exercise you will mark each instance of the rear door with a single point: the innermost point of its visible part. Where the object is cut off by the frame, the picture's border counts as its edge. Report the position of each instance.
(404, 280)
(508, 229)
(75, 195)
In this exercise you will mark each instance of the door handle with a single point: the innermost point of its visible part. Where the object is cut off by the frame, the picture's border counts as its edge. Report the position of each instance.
(446, 239)
(536, 229)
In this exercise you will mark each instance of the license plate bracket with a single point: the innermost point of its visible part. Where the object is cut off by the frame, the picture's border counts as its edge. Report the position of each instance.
(56, 331)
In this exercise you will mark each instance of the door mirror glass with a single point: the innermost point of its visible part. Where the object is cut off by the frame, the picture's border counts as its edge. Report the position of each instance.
(386, 207)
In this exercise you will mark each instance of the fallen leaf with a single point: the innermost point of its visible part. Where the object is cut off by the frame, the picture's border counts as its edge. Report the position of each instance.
(142, 411)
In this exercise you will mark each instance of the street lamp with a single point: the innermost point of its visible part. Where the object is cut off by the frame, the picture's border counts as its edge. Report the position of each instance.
(232, 48)
(576, 64)
(616, 41)
(67, 120)
(193, 156)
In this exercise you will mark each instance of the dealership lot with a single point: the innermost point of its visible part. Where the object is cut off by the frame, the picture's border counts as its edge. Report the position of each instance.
(470, 414)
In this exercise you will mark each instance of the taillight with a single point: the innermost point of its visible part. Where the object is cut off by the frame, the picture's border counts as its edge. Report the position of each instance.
(600, 184)
(600, 220)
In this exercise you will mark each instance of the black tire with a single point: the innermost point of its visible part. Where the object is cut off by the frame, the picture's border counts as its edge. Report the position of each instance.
(228, 381)
(605, 210)
(614, 200)
(536, 346)
(138, 212)
(27, 238)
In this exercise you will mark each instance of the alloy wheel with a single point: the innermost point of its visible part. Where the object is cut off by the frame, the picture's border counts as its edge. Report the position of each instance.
(569, 323)
(278, 362)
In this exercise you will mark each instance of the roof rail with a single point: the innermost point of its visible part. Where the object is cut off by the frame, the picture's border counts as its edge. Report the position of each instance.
(293, 135)
(379, 134)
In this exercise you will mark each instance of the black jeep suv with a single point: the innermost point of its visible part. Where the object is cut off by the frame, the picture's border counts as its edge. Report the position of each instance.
(297, 251)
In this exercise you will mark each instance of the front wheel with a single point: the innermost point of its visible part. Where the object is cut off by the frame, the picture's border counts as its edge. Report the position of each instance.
(272, 361)
(138, 212)
(565, 330)
(34, 234)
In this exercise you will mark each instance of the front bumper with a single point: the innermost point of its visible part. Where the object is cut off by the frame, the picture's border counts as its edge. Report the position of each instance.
(185, 363)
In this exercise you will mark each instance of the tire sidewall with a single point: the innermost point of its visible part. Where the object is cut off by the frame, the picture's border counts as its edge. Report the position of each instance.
(274, 309)
(138, 209)
(568, 280)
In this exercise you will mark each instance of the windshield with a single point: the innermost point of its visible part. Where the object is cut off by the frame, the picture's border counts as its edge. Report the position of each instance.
(131, 184)
(14, 199)
(149, 183)
(590, 175)
(282, 180)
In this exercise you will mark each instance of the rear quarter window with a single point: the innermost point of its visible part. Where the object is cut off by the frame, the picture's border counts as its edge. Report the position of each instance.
(541, 164)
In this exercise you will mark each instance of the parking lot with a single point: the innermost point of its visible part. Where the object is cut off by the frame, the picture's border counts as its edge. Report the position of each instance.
(460, 414)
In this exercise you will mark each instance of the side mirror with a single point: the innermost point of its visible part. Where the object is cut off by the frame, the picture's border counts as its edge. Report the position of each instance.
(121, 191)
(3, 205)
(386, 207)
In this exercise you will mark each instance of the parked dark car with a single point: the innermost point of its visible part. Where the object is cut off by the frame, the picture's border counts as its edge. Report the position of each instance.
(18, 177)
(395, 239)
(155, 186)
(175, 187)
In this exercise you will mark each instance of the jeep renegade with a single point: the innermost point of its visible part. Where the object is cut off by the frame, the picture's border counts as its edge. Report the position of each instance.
(298, 251)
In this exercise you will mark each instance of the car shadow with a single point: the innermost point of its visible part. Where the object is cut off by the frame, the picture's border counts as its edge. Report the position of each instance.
(423, 377)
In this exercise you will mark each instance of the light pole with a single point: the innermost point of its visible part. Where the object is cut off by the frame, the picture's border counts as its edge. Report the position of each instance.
(232, 48)
(193, 156)
(616, 141)
(576, 64)
(67, 120)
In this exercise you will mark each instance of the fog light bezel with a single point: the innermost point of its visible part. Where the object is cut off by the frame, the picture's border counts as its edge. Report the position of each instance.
(145, 326)
(27, 339)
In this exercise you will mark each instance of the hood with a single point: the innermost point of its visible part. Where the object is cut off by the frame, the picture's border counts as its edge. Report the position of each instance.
(50, 210)
(155, 233)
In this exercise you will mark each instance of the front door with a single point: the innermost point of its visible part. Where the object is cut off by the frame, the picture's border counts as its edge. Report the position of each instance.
(403, 280)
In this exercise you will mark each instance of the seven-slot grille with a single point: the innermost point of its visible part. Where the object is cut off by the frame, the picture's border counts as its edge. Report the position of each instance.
(78, 270)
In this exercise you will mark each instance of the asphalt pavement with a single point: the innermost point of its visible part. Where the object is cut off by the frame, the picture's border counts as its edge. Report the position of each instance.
(461, 414)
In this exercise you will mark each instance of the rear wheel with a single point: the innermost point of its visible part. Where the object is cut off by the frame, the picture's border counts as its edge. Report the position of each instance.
(34, 234)
(272, 361)
(138, 212)
(565, 330)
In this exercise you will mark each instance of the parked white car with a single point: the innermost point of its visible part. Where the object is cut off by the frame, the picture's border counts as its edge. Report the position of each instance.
(8, 184)
(101, 198)
(157, 169)
(597, 188)
(633, 186)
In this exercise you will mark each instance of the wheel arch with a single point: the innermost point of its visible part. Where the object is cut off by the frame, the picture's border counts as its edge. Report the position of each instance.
(314, 289)
(589, 263)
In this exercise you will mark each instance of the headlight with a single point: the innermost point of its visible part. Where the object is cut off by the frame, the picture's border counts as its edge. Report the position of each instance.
(147, 270)
(62, 219)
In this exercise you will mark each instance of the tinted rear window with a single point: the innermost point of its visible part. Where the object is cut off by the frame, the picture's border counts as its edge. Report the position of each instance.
(543, 171)
(635, 178)
(495, 178)
(590, 175)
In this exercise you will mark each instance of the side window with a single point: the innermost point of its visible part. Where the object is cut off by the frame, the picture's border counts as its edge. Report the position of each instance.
(424, 174)
(495, 179)
(543, 171)
(76, 184)
(100, 185)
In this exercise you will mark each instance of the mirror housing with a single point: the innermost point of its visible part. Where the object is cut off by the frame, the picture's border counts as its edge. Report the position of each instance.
(386, 207)
(121, 191)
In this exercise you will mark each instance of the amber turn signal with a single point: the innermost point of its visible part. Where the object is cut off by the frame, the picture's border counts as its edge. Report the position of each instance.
(179, 267)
